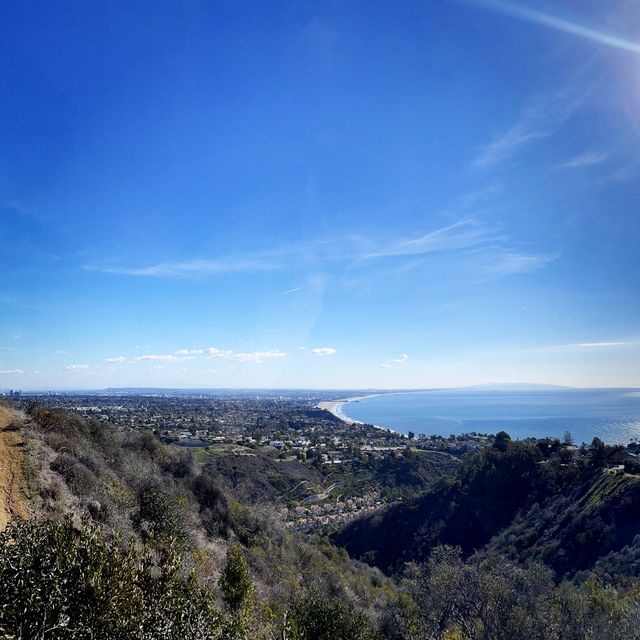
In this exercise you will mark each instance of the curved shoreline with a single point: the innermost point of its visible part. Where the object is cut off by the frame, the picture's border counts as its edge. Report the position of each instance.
(617, 428)
(335, 407)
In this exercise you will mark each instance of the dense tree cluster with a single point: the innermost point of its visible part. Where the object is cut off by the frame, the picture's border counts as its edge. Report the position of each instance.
(494, 599)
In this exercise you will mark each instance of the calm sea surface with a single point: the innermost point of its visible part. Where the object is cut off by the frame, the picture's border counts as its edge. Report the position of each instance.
(611, 414)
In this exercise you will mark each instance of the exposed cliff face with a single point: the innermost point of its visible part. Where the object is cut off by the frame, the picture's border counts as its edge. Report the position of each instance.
(12, 503)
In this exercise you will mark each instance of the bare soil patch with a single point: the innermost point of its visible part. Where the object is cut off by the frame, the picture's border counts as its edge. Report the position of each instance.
(12, 503)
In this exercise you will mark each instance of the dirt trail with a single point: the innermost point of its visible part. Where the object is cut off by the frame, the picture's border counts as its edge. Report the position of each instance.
(12, 502)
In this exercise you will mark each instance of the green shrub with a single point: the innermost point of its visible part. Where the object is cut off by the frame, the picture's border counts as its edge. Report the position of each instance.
(316, 617)
(60, 581)
(159, 516)
(235, 581)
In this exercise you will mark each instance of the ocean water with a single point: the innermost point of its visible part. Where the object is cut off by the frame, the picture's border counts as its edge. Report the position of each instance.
(611, 414)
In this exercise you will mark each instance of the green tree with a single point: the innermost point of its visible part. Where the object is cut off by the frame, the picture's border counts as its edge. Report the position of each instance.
(235, 581)
(502, 440)
(598, 452)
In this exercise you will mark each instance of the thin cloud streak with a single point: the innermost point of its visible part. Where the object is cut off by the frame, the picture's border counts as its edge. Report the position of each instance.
(602, 345)
(290, 291)
(194, 268)
(586, 159)
(558, 24)
(591, 346)
(459, 235)
(502, 263)
(545, 116)
(464, 239)
(474, 246)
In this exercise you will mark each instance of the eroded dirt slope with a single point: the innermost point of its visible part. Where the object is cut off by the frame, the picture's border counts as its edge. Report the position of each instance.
(12, 502)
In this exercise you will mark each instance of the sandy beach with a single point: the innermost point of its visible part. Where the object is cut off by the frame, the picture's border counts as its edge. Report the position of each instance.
(335, 406)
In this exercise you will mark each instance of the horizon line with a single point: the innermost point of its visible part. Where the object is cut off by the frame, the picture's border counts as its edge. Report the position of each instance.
(477, 386)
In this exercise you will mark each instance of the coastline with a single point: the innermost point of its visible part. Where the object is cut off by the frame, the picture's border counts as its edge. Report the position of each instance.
(335, 407)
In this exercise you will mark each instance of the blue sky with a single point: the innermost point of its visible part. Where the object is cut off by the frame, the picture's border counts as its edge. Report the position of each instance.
(319, 194)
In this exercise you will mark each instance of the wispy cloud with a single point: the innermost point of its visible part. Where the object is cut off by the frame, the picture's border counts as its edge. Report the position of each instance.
(342, 247)
(76, 367)
(11, 372)
(584, 160)
(196, 267)
(323, 351)
(601, 345)
(623, 173)
(116, 360)
(289, 291)
(499, 263)
(540, 119)
(466, 245)
(19, 209)
(558, 24)
(459, 235)
(403, 357)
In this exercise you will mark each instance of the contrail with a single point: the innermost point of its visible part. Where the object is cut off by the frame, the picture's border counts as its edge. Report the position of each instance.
(559, 24)
(286, 293)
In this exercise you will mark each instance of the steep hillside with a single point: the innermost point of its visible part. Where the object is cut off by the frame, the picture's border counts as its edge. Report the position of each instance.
(131, 538)
(159, 496)
(572, 531)
(511, 500)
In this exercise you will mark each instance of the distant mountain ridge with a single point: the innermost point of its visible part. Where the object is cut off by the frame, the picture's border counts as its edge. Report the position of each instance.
(517, 386)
